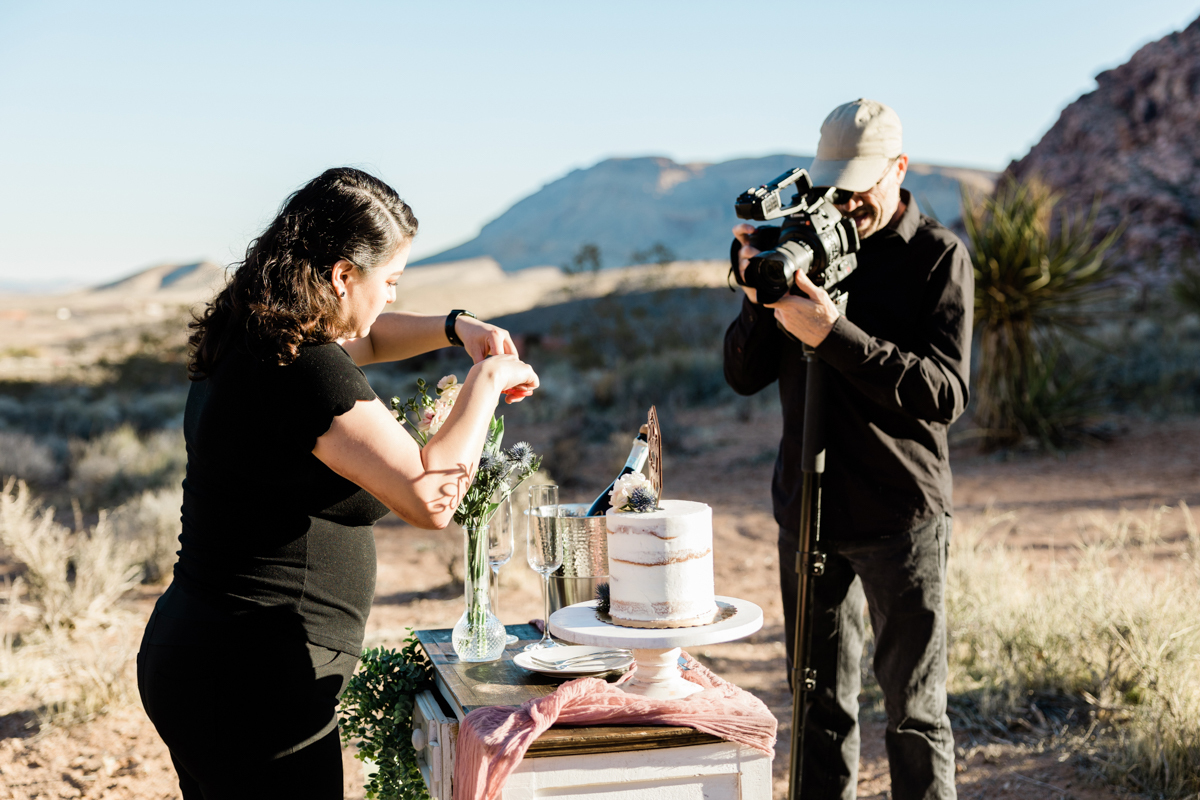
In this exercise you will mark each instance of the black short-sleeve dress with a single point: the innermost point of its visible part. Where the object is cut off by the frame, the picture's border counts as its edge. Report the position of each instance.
(276, 567)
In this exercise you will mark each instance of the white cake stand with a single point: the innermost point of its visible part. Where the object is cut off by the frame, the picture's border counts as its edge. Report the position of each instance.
(656, 650)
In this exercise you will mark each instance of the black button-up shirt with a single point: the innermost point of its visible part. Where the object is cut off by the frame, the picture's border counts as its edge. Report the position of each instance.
(900, 359)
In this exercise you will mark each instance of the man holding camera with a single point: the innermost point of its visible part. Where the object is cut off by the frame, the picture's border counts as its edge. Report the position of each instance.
(897, 367)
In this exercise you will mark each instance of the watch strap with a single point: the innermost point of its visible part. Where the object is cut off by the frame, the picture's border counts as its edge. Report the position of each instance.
(452, 318)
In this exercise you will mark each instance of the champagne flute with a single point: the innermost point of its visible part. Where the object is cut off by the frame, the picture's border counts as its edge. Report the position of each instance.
(500, 550)
(543, 548)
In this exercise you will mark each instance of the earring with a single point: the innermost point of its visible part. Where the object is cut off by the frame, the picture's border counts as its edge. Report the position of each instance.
(343, 294)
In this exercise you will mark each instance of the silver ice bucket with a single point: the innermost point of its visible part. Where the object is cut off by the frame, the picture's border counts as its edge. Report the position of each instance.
(585, 556)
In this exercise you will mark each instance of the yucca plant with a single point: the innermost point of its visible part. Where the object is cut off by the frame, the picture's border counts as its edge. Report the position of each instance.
(1035, 274)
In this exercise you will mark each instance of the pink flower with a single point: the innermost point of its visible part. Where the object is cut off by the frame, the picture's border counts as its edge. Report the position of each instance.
(434, 417)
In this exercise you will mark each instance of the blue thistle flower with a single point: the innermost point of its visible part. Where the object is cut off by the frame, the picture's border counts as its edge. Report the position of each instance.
(488, 463)
(520, 454)
(642, 500)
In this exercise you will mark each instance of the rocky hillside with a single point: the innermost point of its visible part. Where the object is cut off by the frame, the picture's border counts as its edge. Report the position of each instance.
(633, 208)
(1133, 142)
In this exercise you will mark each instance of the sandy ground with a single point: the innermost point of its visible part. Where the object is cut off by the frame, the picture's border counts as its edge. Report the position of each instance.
(1056, 500)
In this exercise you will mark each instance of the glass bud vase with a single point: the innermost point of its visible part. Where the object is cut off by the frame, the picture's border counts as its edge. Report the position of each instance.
(478, 635)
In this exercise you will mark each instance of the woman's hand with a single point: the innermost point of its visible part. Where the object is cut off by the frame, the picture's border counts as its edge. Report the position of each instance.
(423, 486)
(482, 339)
(512, 377)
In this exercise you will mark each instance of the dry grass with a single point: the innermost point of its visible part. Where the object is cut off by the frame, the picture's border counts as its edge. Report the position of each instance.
(76, 658)
(151, 523)
(1100, 652)
(71, 576)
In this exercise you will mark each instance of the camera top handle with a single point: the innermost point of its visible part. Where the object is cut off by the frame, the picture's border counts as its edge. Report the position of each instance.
(763, 203)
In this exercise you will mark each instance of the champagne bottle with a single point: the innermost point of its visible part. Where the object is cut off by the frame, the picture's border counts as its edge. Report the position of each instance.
(635, 462)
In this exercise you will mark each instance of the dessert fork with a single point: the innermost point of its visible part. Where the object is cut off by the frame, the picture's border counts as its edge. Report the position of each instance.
(599, 656)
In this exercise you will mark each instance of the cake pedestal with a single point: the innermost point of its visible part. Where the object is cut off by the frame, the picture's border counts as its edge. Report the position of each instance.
(655, 650)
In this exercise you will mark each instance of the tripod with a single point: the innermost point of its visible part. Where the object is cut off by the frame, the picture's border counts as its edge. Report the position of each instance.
(810, 561)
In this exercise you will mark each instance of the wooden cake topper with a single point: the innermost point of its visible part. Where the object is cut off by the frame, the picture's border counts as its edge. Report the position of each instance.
(654, 458)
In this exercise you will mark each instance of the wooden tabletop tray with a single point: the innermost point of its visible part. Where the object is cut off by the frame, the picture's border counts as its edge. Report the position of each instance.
(465, 687)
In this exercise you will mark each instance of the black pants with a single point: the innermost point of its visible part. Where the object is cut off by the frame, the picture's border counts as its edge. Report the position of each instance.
(247, 721)
(902, 579)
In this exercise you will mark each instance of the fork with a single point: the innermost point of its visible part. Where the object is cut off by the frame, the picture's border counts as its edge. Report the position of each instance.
(600, 656)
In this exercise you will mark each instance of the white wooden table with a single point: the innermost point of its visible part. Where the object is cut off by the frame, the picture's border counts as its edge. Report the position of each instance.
(618, 762)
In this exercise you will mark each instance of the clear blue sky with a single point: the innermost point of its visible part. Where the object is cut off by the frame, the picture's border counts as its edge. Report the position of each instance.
(138, 133)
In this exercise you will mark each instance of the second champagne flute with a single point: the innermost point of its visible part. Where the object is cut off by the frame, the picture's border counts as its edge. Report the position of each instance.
(543, 548)
(500, 550)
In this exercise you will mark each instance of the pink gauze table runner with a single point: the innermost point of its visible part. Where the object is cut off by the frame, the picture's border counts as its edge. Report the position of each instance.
(492, 741)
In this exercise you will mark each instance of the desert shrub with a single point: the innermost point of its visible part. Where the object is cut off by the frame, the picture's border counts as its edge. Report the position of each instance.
(1146, 363)
(71, 575)
(22, 456)
(151, 523)
(1186, 287)
(77, 659)
(118, 465)
(1034, 276)
(84, 411)
(1120, 644)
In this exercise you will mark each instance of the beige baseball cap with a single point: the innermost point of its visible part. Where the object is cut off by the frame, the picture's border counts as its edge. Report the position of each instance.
(858, 140)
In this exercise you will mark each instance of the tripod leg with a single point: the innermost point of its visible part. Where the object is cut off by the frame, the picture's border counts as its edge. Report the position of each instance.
(810, 564)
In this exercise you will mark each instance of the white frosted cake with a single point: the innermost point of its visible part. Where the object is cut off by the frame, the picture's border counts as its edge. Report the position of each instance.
(660, 566)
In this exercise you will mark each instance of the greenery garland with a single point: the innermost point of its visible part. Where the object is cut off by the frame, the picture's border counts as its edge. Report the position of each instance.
(377, 709)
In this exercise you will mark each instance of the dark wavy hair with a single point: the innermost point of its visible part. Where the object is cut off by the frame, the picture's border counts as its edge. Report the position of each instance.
(281, 296)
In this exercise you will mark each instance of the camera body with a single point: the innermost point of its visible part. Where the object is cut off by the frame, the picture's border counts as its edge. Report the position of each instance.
(815, 239)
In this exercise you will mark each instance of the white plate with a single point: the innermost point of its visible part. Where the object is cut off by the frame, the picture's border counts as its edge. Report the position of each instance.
(524, 660)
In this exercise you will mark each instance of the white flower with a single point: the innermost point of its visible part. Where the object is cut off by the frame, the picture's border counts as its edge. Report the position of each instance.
(448, 389)
(625, 486)
(434, 417)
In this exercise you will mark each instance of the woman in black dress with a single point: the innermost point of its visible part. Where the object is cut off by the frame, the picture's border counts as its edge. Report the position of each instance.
(291, 460)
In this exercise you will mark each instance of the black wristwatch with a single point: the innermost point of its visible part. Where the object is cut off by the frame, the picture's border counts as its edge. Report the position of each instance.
(451, 318)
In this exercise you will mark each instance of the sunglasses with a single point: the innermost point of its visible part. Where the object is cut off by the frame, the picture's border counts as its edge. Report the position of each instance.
(843, 196)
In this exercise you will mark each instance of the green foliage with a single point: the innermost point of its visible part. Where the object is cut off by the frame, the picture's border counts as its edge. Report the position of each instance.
(377, 710)
(1034, 278)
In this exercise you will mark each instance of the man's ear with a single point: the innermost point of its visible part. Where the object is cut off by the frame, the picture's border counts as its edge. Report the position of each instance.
(902, 167)
(338, 275)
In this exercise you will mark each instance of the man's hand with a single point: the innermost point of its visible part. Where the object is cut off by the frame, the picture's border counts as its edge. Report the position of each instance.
(809, 319)
(742, 234)
(482, 339)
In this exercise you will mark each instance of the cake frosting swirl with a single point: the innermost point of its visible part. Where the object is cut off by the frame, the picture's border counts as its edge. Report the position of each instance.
(660, 566)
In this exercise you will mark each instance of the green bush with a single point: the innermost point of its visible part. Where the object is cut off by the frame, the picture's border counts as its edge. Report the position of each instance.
(377, 709)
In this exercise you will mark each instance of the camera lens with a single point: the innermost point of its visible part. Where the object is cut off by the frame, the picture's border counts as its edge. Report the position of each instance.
(771, 275)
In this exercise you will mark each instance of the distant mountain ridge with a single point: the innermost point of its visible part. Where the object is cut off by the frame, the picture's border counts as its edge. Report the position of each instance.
(627, 205)
(198, 276)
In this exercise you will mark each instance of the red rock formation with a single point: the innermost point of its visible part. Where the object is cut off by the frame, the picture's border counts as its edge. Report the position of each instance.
(1135, 143)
